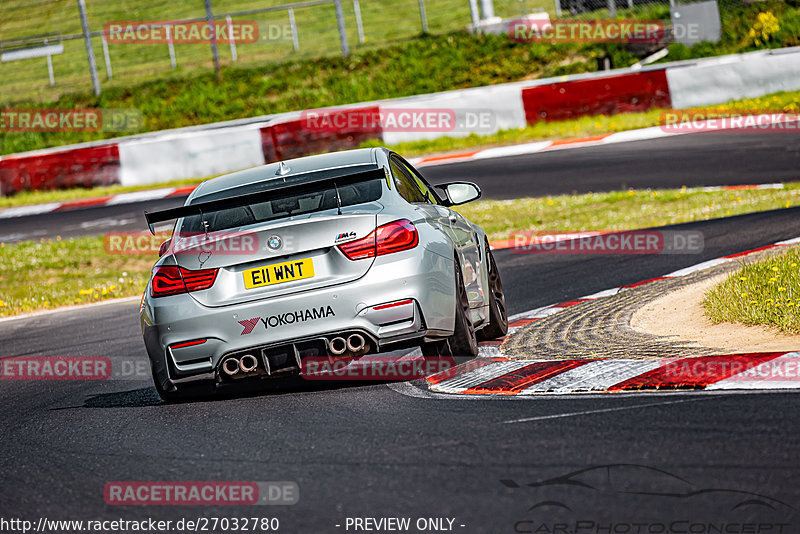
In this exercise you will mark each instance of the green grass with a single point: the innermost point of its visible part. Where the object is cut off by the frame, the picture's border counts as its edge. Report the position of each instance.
(62, 195)
(788, 101)
(52, 273)
(581, 127)
(396, 61)
(385, 22)
(458, 60)
(622, 210)
(763, 293)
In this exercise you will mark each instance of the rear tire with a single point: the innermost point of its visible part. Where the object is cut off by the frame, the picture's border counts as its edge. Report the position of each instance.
(184, 392)
(498, 315)
(463, 343)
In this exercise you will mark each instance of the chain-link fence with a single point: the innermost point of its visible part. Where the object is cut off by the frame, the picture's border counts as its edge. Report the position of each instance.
(44, 49)
(584, 9)
(44, 43)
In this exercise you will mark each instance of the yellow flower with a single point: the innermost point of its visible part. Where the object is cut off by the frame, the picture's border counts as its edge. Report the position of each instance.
(550, 202)
(781, 289)
(775, 268)
(2, 304)
(86, 291)
(794, 264)
(742, 278)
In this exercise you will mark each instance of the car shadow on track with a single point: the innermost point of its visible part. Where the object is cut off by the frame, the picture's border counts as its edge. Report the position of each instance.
(146, 397)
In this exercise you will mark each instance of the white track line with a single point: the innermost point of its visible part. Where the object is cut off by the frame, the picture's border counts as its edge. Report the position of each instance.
(602, 410)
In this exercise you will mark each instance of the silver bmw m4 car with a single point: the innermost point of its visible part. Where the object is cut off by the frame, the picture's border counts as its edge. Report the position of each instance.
(331, 256)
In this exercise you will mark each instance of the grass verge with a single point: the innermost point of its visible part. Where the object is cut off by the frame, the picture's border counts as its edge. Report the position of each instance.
(787, 101)
(421, 65)
(763, 293)
(623, 210)
(24, 198)
(53, 273)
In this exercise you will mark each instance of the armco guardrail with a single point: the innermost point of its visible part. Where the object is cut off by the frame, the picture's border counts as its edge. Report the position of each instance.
(222, 147)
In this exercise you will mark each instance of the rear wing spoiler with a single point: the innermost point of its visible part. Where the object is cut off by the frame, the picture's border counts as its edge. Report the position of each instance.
(310, 186)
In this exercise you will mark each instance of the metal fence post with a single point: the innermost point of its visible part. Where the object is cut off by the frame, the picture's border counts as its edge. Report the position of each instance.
(612, 8)
(558, 8)
(359, 23)
(231, 40)
(171, 47)
(87, 39)
(342, 31)
(106, 56)
(214, 51)
(50, 68)
(473, 12)
(293, 26)
(487, 9)
(423, 17)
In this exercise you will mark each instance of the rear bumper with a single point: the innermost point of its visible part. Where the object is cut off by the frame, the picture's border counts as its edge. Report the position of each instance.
(422, 283)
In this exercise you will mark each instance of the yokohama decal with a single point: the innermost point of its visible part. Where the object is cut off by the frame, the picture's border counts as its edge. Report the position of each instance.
(272, 321)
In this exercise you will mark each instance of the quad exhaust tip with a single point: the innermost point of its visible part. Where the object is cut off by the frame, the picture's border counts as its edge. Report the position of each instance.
(337, 346)
(355, 342)
(248, 363)
(230, 366)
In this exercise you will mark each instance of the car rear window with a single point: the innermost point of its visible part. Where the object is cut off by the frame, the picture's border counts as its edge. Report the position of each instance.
(282, 205)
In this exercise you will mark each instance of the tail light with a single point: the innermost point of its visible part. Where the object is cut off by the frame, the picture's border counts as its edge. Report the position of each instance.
(172, 280)
(387, 239)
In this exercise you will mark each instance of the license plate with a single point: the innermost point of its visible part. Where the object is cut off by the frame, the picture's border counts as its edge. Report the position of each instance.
(278, 273)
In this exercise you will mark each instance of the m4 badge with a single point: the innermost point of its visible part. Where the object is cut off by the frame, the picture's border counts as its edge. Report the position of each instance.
(346, 236)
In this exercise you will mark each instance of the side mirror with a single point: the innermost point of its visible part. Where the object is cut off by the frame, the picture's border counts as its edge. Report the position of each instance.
(164, 247)
(460, 192)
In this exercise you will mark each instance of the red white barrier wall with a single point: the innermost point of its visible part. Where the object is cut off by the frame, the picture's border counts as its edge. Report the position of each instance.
(218, 148)
(719, 80)
(195, 154)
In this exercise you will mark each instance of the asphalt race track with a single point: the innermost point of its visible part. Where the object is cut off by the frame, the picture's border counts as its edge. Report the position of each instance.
(692, 460)
(701, 159)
